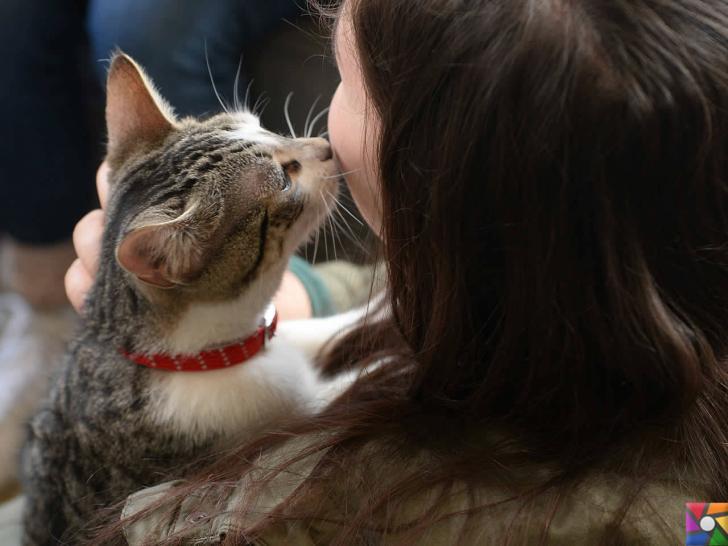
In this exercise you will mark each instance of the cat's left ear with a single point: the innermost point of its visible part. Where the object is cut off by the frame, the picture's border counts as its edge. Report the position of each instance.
(136, 115)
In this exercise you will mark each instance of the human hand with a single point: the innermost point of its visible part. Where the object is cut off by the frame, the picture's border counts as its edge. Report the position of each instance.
(87, 242)
(292, 300)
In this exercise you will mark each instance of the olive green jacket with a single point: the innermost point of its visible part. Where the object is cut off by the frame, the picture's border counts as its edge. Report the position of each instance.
(582, 517)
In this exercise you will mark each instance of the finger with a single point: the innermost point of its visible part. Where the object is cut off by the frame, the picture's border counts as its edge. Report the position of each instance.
(78, 282)
(87, 240)
(102, 183)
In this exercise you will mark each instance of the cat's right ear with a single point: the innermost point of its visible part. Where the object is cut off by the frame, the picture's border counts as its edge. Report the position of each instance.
(136, 115)
(166, 252)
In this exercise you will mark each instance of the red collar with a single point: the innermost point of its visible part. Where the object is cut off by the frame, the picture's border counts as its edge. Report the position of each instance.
(213, 359)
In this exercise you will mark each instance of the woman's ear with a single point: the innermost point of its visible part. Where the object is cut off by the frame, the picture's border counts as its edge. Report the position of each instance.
(136, 115)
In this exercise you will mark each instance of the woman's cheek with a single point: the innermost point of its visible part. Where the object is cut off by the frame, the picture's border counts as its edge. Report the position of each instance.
(342, 133)
(346, 131)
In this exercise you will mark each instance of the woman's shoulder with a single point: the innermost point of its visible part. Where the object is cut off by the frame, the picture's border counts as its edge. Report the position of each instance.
(603, 506)
(212, 511)
(463, 513)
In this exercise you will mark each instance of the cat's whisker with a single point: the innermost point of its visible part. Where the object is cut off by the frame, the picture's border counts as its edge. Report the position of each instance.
(261, 108)
(334, 238)
(247, 96)
(236, 83)
(342, 206)
(326, 243)
(342, 174)
(344, 228)
(343, 222)
(354, 241)
(316, 119)
(286, 112)
(328, 223)
(315, 247)
(340, 231)
(325, 134)
(327, 235)
(212, 81)
(306, 127)
(351, 214)
(337, 231)
(339, 220)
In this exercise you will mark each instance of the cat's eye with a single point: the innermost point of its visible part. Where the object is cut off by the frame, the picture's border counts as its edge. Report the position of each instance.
(290, 168)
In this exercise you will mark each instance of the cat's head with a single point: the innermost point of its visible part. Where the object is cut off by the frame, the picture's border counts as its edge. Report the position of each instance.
(200, 209)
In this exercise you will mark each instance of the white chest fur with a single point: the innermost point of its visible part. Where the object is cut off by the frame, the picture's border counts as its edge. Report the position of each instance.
(276, 383)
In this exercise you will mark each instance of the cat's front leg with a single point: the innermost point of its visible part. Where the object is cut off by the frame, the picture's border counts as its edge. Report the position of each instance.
(310, 335)
(44, 520)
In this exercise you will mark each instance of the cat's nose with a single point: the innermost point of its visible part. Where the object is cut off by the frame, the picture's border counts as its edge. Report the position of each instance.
(319, 148)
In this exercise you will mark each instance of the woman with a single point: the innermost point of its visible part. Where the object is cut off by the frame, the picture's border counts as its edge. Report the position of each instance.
(549, 181)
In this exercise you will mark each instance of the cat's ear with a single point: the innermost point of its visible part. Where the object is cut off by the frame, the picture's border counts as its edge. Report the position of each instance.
(136, 115)
(167, 253)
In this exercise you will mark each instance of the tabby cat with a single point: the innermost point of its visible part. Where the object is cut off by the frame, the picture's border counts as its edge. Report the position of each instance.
(202, 219)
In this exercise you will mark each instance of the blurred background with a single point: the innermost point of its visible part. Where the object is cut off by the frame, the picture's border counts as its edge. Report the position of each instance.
(52, 136)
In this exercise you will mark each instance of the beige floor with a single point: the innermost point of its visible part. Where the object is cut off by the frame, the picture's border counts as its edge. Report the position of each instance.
(10, 522)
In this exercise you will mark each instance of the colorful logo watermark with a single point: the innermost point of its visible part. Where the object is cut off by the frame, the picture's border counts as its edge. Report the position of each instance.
(706, 524)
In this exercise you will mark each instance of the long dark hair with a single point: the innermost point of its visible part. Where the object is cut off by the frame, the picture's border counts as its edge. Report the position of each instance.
(555, 231)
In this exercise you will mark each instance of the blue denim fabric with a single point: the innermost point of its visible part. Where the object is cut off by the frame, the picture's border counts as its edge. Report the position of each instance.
(49, 149)
(170, 39)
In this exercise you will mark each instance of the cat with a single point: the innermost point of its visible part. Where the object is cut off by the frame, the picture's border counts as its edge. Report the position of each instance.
(202, 219)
